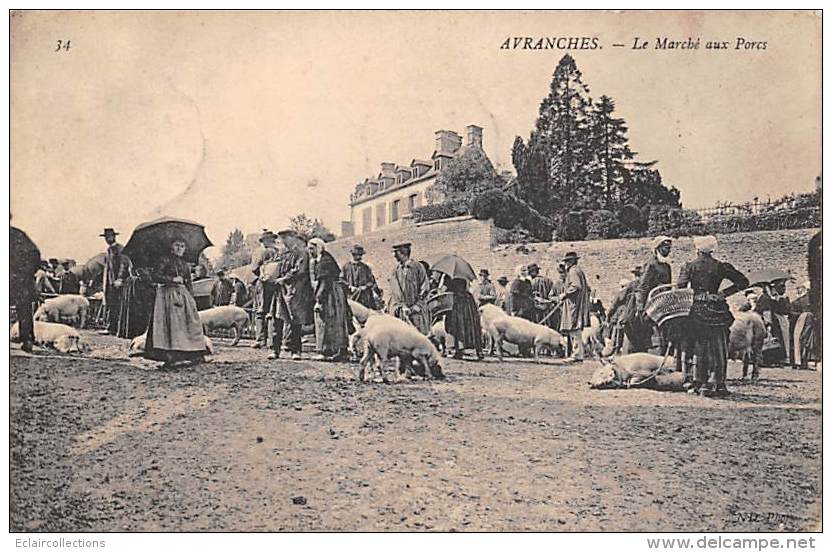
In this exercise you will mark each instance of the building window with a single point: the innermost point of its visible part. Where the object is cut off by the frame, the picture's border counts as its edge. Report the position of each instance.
(437, 164)
(381, 210)
(394, 210)
(411, 202)
(366, 220)
(415, 172)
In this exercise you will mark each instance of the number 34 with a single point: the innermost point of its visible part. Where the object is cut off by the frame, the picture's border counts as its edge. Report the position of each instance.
(62, 45)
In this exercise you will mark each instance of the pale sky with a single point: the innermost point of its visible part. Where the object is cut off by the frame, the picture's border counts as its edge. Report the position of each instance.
(225, 118)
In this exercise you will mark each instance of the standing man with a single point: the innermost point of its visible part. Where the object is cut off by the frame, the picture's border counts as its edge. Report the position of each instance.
(656, 272)
(360, 279)
(292, 304)
(116, 269)
(541, 289)
(408, 287)
(575, 304)
(263, 292)
(500, 292)
(774, 307)
(70, 284)
(24, 261)
(221, 290)
(484, 291)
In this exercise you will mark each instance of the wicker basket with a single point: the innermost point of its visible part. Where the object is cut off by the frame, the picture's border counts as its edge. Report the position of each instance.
(669, 305)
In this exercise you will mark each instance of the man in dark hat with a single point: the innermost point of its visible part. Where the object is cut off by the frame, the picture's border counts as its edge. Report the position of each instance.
(360, 279)
(221, 290)
(263, 292)
(574, 304)
(484, 291)
(541, 291)
(116, 269)
(70, 284)
(24, 261)
(294, 298)
(409, 285)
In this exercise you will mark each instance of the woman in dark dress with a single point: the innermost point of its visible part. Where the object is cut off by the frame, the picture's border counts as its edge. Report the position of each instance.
(175, 332)
(333, 317)
(463, 321)
(138, 296)
(520, 301)
(710, 319)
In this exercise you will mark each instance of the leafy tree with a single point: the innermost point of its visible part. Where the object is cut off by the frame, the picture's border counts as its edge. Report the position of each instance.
(532, 166)
(309, 228)
(465, 176)
(643, 186)
(236, 252)
(632, 220)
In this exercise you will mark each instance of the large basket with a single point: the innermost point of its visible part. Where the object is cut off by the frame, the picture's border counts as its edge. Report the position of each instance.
(440, 304)
(669, 304)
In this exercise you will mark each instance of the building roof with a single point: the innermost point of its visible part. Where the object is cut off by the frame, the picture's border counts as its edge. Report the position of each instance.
(428, 175)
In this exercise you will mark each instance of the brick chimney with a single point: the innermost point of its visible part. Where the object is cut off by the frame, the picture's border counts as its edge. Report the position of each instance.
(473, 135)
(447, 142)
(388, 169)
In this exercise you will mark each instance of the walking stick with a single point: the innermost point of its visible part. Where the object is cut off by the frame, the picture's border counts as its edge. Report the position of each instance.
(551, 312)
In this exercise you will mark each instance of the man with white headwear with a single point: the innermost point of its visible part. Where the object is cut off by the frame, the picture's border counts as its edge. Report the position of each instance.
(710, 319)
(656, 272)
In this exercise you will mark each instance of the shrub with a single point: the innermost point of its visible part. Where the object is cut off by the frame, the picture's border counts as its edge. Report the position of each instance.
(631, 219)
(438, 211)
(674, 222)
(509, 212)
(602, 225)
(571, 227)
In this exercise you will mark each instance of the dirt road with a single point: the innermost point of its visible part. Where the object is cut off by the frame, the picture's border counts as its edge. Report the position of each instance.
(243, 444)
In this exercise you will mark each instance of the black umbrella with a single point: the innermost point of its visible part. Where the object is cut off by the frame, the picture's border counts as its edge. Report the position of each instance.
(455, 267)
(767, 276)
(151, 240)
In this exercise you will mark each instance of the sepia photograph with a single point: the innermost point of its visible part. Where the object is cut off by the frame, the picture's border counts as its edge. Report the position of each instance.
(406, 271)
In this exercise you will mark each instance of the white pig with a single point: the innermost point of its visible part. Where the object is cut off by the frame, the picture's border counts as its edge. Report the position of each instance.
(64, 308)
(488, 314)
(386, 337)
(63, 338)
(138, 344)
(523, 332)
(632, 370)
(226, 317)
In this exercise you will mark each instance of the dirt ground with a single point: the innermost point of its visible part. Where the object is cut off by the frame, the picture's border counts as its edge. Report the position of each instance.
(244, 444)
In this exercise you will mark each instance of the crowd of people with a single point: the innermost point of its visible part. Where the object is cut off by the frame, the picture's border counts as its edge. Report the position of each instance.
(299, 284)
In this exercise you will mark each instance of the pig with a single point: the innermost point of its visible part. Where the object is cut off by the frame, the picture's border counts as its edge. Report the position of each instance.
(63, 338)
(488, 314)
(440, 338)
(225, 317)
(138, 344)
(64, 308)
(386, 337)
(636, 369)
(746, 341)
(592, 336)
(523, 332)
(360, 313)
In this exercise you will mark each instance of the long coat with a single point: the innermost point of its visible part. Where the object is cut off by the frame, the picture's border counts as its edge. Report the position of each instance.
(358, 275)
(24, 262)
(116, 267)
(333, 323)
(408, 287)
(575, 307)
(294, 302)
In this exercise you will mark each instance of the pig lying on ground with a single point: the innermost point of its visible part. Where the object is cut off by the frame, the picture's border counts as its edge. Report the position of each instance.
(62, 338)
(227, 317)
(72, 308)
(637, 369)
(138, 344)
(386, 336)
(523, 332)
(746, 341)
(488, 314)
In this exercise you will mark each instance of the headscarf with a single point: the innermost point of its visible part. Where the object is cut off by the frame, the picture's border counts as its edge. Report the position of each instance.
(318, 243)
(519, 270)
(705, 244)
(657, 242)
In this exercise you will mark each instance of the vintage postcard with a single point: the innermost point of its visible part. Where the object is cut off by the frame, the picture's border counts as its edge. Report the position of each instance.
(415, 271)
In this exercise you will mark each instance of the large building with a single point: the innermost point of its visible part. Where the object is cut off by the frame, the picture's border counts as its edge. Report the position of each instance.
(398, 189)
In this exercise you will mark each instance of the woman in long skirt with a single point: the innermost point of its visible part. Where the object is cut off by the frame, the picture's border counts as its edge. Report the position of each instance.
(463, 322)
(333, 317)
(175, 332)
(710, 319)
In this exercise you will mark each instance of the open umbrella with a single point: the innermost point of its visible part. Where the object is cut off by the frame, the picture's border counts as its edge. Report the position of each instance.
(244, 274)
(151, 240)
(767, 276)
(455, 267)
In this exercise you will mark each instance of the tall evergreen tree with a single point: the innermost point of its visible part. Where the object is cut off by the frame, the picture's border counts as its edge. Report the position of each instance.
(235, 252)
(608, 141)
